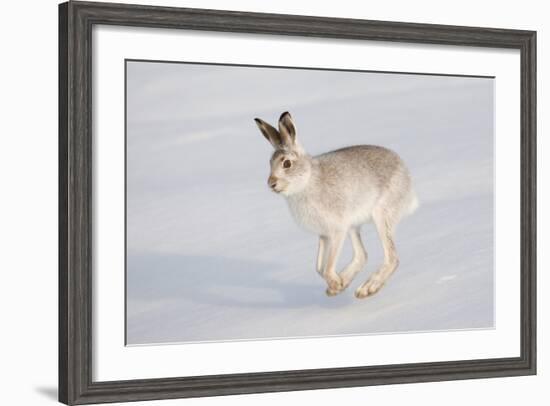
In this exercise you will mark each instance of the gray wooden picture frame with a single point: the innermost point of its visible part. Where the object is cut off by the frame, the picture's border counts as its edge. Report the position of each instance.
(76, 20)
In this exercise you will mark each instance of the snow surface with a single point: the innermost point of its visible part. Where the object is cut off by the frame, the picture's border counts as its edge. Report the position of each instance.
(213, 255)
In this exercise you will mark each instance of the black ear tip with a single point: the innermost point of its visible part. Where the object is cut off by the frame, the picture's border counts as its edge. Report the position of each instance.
(257, 120)
(286, 113)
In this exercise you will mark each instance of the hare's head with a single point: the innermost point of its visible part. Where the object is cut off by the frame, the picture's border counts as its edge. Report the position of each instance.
(290, 165)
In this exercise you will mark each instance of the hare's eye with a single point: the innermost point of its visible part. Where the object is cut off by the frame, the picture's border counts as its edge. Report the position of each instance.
(287, 164)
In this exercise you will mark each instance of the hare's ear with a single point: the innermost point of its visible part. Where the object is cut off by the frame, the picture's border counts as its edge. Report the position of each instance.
(287, 129)
(270, 133)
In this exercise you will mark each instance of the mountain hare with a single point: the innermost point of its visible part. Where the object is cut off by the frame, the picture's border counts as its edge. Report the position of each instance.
(333, 194)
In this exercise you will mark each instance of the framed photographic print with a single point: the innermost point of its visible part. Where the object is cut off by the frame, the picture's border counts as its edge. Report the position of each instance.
(257, 202)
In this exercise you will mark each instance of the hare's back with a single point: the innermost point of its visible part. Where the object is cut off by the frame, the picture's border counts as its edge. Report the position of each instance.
(371, 162)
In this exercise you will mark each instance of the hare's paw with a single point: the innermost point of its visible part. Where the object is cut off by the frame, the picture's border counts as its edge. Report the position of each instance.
(368, 288)
(333, 292)
(345, 282)
(334, 282)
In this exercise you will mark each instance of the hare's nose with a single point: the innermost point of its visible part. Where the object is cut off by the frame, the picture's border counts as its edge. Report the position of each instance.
(272, 182)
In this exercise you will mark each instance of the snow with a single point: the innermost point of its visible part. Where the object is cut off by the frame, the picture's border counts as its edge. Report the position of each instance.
(213, 255)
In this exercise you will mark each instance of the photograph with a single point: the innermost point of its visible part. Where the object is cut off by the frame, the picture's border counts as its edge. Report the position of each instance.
(269, 202)
(255, 200)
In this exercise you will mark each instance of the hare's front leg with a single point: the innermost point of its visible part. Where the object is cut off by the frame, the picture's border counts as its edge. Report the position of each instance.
(357, 263)
(334, 246)
(385, 226)
(321, 255)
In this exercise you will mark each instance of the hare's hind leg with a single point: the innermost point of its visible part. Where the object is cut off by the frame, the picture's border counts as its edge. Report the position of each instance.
(359, 258)
(357, 263)
(385, 224)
